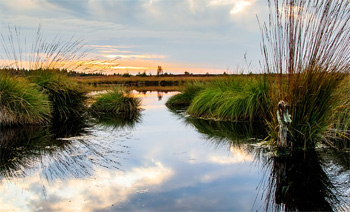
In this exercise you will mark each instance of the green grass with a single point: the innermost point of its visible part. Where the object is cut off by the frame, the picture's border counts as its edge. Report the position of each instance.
(308, 51)
(116, 101)
(237, 99)
(186, 96)
(21, 102)
(339, 132)
(66, 96)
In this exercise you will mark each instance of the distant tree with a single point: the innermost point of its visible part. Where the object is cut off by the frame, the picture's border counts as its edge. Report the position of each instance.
(142, 74)
(126, 75)
(159, 70)
(187, 73)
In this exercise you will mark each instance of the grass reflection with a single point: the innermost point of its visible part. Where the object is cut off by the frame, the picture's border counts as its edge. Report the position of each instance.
(120, 121)
(311, 181)
(224, 131)
(61, 151)
(17, 145)
(300, 183)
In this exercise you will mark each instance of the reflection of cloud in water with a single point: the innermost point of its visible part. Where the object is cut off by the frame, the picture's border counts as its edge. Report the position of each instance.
(234, 156)
(238, 156)
(103, 190)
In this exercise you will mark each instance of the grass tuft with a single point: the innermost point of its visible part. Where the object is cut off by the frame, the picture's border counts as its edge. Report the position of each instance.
(305, 45)
(22, 102)
(237, 99)
(186, 96)
(67, 97)
(117, 101)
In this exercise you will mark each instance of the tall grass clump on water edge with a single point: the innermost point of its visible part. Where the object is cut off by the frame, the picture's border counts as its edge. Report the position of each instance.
(67, 97)
(184, 99)
(306, 45)
(117, 101)
(235, 99)
(22, 102)
(44, 63)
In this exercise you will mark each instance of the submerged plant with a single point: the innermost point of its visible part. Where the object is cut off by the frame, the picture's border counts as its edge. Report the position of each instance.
(117, 101)
(305, 44)
(22, 102)
(66, 96)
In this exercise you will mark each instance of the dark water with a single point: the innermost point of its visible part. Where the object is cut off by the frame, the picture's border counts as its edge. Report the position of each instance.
(161, 160)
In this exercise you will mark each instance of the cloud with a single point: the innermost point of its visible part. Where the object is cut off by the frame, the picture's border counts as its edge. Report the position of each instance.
(213, 34)
(112, 187)
(237, 5)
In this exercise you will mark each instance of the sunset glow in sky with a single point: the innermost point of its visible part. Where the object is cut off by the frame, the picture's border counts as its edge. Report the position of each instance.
(197, 36)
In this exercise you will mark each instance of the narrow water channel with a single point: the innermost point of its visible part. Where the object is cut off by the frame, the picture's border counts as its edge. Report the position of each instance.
(162, 160)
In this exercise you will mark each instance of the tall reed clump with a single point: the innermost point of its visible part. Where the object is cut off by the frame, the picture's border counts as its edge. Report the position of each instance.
(66, 96)
(184, 99)
(42, 63)
(22, 102)
(42, 53)
(117, 101)
(237, 99)
(306, 45)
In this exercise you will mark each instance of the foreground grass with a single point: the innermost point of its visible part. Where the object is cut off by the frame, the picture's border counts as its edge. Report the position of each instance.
(22, 102)
(66, 96)
(308, 50)
(116, 101)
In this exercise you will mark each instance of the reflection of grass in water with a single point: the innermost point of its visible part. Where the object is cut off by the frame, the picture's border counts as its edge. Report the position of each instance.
(19, 145)
(220, 130)
(119, 121)
(32, 147)
(299, 183)
(224, 132)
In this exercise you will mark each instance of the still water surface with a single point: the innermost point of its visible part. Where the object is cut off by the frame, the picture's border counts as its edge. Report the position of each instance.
(161, 160)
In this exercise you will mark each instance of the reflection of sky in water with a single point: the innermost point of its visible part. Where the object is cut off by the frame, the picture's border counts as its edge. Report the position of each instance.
(160, 164)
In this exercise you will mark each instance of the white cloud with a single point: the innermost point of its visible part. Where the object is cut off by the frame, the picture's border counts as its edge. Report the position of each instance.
(106, 188)
(236, 5)
(213, 33)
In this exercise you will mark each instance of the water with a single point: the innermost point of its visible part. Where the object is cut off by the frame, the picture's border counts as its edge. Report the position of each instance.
(161, 160)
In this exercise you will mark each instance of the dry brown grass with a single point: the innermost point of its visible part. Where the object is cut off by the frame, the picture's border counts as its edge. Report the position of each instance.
(111, 79)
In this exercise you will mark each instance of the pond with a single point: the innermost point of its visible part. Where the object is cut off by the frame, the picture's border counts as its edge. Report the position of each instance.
(162, 160)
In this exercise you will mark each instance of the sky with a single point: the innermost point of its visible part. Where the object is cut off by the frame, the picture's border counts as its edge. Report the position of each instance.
(197, 36)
